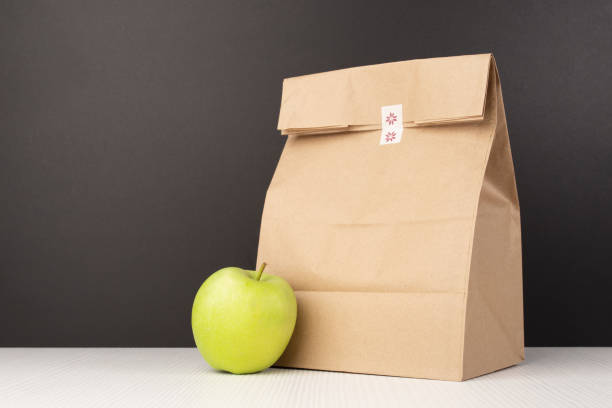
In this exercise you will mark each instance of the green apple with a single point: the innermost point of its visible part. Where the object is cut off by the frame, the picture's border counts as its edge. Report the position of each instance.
(242, 320)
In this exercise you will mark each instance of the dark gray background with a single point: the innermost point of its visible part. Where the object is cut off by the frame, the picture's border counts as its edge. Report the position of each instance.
(137, 140)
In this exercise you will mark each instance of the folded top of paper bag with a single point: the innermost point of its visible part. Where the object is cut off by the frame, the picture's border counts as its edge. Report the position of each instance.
(432, 91)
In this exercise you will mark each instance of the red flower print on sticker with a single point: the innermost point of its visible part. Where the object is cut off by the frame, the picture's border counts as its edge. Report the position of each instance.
(390, 136)
(391, 118)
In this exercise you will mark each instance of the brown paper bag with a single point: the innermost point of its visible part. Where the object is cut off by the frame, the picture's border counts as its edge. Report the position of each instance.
(405, 256)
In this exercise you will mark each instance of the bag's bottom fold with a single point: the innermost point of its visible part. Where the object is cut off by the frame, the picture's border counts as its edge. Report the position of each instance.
(399, 334)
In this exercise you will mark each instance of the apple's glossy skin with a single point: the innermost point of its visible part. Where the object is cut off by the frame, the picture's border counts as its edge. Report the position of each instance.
(241, 324)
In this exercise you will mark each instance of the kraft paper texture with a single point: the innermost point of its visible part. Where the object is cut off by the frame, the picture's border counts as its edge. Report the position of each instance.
(405, 258)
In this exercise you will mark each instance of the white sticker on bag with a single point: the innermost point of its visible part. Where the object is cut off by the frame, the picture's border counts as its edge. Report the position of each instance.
(392, 124)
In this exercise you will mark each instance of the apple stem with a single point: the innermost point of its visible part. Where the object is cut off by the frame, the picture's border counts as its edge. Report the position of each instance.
(260, 271)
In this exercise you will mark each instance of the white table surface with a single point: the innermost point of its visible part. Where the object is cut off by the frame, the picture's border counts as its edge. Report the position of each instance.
(179, 377)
